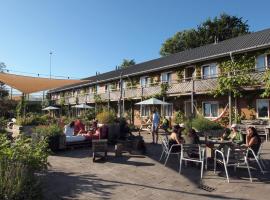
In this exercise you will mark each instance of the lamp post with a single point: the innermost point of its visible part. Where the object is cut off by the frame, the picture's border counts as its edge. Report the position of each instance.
(50, 64)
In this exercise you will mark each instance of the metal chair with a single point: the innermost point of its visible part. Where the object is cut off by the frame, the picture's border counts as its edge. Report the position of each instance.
(168, 151)
(236, 158)
(193, 153)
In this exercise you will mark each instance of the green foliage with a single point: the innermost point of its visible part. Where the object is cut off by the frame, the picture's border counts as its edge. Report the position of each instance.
(164, 88)
(234, 75)
(90, 114)
(202, 124)
(106, 117)
(97, 98)
(32, 119)
(179, 117)
(48, 131)
(21, 106)
(19, 162)
(266, 80)
(220, 28)
(126, 63)
(180, 74)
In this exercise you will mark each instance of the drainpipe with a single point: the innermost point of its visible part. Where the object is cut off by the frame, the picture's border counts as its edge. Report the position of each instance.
(230, 96)
(120, 98)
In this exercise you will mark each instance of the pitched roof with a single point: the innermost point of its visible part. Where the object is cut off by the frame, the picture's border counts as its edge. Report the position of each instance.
(244, 43)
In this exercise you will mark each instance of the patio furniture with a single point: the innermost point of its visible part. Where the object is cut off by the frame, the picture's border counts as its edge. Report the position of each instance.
(235, 157)
(123, 145)
(99, 148)
(168, 151)
(193, 153)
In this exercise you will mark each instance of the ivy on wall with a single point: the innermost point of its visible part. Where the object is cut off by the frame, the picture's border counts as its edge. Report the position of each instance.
(233, 76)
(180, 75)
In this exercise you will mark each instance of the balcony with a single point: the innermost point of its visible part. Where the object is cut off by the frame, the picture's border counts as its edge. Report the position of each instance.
(199, 86)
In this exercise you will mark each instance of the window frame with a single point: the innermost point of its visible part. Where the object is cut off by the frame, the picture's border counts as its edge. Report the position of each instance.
(145, 78)
(142, 113)
(265, 62)
(209, 76)
(167, 73)
(257, 111)
(165, 110)
(210, 102)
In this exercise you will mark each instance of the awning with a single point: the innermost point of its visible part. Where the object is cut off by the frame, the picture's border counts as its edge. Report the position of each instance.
(28, 84)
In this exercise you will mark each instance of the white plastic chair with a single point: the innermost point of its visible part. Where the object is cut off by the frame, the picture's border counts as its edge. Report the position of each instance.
(168, 151)
(236, 158)
(187, 154)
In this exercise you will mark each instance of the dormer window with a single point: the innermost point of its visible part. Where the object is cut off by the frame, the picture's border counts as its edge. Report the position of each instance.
(209, 71)
(165, 77)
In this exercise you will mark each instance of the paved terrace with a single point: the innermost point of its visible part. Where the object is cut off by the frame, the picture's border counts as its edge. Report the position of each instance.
(73, 175)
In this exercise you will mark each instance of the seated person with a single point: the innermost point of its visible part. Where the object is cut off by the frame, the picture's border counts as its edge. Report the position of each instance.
(99, 133)
(165, 124)
(235, 136)
(79, 127)
(253, 139)
(191, 137)
(69, 132)
(176, 138)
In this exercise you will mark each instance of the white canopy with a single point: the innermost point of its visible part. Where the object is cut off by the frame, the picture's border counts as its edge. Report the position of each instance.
(152, 101)
(50, 108)
(83, 106)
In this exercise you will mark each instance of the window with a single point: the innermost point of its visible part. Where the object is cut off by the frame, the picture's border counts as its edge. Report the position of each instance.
(168, 110)
(165, 77)
(260, 63)
(262, 108)
(145, 111)
(209, 71)
(144, 81)
(210, 109)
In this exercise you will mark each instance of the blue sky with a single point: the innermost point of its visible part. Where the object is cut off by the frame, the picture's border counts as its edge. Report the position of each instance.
(96, 35)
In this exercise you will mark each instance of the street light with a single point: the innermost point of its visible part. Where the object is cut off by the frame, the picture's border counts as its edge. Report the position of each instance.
(50, 64)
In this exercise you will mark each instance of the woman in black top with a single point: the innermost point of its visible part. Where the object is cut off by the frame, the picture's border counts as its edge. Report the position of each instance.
(176, 138)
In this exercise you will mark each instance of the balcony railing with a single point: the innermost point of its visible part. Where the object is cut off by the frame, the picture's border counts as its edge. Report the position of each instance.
(198, 86)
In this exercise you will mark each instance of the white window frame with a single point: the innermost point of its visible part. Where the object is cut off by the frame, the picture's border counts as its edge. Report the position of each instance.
(165, 112)
(145, 78)
(210, 102)
(265, 61)
(257, 110)
(166, 81)
(209, 76)
(143, 108)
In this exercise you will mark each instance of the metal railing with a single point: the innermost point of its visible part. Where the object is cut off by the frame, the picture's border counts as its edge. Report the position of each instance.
(183, 87)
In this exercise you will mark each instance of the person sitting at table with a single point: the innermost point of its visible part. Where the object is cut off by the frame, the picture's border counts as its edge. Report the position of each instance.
(235, 135)
(79, 127)
(253, 139)
(191, 137)
(69, 132)
(176, 138)
(99, 133)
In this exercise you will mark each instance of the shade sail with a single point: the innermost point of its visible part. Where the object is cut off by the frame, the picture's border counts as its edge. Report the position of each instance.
(50, 108)
(28, 84)
(152, 101)
(82, 106)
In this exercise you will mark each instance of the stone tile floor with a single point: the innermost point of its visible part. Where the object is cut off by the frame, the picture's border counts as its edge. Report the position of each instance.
(73, 175)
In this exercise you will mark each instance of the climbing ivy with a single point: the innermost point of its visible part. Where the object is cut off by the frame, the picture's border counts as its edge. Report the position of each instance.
(266, 81)
(180, 75)
(233, 76)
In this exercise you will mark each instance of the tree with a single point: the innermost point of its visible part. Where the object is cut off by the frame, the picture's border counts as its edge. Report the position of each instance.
(126, 63)
(3, 91)
(220, 28)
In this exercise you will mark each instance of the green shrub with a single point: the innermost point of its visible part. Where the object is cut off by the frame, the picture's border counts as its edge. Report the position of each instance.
(20, 161)
(106, 117)
(48, 131)
(202, 124)
(179, 117)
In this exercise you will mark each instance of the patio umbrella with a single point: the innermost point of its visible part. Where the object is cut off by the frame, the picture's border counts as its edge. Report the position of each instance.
(82, 106)
(50, 108)
(152, 101)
